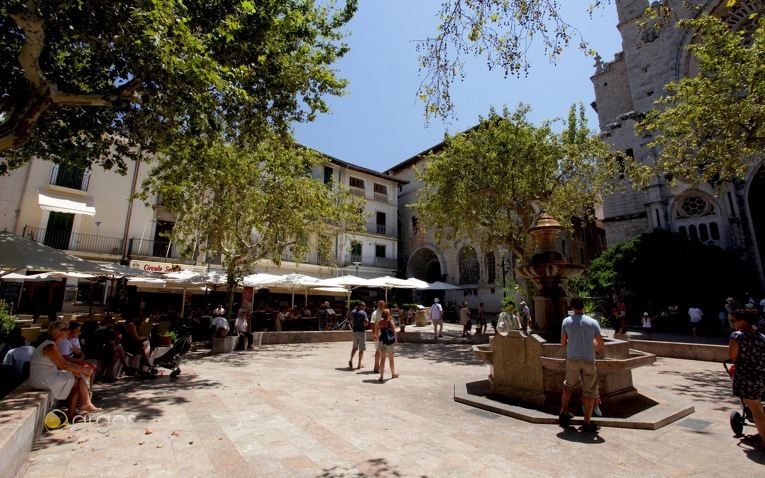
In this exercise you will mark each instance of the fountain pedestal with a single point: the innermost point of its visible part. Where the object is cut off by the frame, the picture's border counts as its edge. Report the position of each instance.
(547, 269)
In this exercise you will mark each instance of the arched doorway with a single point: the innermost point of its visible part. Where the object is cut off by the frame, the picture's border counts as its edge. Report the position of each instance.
(757, 213)
(425, 265)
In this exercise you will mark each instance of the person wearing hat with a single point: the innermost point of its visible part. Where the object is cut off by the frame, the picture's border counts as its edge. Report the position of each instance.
(647, 325)
(437, 317)
(526, 316)
(465, 319)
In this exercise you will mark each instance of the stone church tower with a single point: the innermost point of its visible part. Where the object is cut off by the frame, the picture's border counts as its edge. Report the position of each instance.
(625, 89)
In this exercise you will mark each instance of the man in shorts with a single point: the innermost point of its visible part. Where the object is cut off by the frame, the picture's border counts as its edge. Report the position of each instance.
(579, 333)
(359, 322)
(376, 316)
(437, 317)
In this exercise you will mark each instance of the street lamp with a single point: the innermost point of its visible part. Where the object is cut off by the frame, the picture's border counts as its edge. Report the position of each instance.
(356, 263)
(506, 263)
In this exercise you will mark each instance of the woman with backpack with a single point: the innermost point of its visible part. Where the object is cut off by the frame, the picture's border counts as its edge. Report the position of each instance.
(388, 340)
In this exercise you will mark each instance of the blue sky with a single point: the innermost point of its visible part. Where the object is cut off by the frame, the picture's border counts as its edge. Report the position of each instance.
(380, 122)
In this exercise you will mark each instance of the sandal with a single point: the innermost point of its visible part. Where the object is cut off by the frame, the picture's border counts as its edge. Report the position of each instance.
(380, 379)
(91, 409)
(395, 375)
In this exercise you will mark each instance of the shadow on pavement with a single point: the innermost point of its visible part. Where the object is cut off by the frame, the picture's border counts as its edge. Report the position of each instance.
(698, 385)
(455, 354)
(372, 467)
(142, 400)
(574, 435)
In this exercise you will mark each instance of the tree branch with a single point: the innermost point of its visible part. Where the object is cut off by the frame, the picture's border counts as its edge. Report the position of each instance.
(21, 118)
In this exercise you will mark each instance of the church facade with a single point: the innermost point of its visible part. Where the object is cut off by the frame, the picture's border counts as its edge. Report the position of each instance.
(625, 89)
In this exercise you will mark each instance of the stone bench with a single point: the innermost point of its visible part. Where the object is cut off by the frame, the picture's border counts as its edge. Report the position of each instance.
(224, 345)
(22, 414)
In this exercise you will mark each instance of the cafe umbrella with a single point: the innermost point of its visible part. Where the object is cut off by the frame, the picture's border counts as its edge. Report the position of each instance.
(17, 253)
(292, 282)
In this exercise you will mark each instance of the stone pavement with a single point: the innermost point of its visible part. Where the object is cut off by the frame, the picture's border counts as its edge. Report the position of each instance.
(297, 410)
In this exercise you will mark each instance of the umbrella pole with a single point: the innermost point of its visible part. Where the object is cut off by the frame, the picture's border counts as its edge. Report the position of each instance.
(183, 303)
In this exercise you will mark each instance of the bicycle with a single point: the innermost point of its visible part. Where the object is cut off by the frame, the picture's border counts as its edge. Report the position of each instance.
(344, 325)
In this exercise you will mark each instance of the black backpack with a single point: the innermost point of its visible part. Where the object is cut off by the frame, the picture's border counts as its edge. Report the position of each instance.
(386, 335)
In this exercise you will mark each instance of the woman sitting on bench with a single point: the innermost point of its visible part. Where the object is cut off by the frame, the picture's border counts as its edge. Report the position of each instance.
(49, 371)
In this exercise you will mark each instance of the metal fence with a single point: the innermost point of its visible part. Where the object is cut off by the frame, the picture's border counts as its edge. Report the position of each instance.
(72, 241)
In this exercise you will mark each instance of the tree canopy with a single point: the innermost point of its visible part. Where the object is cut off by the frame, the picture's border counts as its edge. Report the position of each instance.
(501, 31)
(482, 185)
(709, 127)
(101, 82)
(249, 204)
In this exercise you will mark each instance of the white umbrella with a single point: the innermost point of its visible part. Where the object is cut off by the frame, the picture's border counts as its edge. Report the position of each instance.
(417, 283)
(118, 271)
(255, 280)
(438, 285)
(292, 282)
(17, 276)
(17, 253)
(348, 283)
(213, 279)
(388, 282)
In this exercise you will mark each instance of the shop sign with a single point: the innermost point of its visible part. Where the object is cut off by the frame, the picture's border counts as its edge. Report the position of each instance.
(165, 267)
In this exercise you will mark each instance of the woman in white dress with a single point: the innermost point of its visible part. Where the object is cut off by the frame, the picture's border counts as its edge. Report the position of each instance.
(48, 370)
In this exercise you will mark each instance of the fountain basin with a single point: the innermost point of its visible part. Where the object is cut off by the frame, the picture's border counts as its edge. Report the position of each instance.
(606, 365)
(528, 369)
(483, 352)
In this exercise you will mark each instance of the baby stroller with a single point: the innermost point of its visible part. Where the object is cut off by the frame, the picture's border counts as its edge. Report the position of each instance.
(172, 358)
(738, 420)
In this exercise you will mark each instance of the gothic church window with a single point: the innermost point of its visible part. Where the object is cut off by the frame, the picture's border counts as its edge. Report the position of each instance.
(694, 206)
(468, 266)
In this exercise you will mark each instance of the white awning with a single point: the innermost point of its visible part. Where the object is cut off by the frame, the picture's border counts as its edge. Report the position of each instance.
(50, 201)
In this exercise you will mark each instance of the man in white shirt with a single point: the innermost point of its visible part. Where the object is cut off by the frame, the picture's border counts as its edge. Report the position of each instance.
(376, 316)
(219, 326)
(220, 311)
(240, 327)
(696, 316)
(437, 316)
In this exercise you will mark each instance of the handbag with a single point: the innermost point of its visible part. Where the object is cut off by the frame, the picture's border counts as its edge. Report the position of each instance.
(387, 336)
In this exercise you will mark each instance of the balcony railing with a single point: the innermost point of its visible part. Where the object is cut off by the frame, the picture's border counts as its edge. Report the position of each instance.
(381, 229)
(72, 241)
(360, 192)
(147, 248)
(315, 258)
(71, 178)
(382, 197)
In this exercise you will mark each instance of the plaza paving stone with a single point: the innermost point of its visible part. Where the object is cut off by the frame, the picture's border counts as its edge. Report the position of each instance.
(297, 410)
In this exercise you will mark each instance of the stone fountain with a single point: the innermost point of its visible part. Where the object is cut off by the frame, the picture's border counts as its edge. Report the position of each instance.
(527, 370)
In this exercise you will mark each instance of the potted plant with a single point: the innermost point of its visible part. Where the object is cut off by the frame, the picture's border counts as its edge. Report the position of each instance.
(167, 338)
(7, 321)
